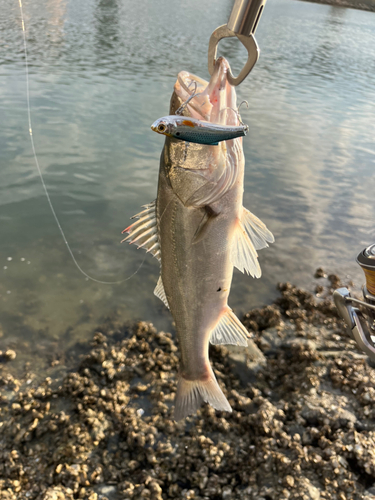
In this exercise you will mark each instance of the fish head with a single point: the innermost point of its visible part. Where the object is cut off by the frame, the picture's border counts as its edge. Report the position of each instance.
(199, 173)
(163, 126)
(214, 101)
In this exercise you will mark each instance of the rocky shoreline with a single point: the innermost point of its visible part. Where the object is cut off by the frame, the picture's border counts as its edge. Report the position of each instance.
(352, 4)
(302, 425)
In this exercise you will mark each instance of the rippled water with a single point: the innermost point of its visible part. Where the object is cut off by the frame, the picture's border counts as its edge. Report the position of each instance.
(101, 71)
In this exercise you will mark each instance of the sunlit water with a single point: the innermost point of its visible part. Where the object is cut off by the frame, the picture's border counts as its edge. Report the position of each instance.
(100, 73)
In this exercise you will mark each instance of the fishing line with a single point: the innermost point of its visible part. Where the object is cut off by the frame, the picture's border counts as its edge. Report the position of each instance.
(41, 175)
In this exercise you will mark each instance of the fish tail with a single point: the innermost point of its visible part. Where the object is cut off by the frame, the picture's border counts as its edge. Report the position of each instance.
(192, 393)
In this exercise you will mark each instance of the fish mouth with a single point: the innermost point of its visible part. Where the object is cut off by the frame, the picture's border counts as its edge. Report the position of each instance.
(215, 101)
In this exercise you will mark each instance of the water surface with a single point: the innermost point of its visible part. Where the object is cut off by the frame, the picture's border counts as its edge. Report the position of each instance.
(101, 71)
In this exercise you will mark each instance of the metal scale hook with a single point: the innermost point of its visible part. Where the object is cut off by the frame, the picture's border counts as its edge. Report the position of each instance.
(242, 24)
(361, 323)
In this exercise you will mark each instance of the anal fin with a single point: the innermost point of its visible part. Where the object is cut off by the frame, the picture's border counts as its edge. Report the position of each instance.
(160, 292)
(229, 330)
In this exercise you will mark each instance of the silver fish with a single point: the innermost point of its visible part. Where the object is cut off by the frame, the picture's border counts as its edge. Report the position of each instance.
(199, 230)
(197, 131)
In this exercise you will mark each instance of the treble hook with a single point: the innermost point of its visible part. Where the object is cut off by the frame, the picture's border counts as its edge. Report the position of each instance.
(181, 109)
(237, 111)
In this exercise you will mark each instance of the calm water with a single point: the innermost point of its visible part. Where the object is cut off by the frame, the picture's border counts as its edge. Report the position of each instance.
(101, 71)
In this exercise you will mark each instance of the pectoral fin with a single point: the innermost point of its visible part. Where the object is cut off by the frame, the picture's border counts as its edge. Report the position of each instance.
(244, 255)
(251, 235)
(160, 292)
(144, 231)
(229, 330)
(256, 230)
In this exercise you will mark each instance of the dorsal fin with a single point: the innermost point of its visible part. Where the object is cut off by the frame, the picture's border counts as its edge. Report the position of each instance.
(144, 231)
(229, 330)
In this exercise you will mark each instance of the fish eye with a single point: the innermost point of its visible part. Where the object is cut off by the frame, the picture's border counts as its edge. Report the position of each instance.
(161, 127)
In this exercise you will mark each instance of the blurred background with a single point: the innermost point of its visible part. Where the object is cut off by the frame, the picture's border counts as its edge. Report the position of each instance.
(101, 71)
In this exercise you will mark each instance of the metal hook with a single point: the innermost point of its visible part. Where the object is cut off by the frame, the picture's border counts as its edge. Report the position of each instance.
(248, 42)
(237, 112)
(181, 109)
(243, 102)
(243, 22)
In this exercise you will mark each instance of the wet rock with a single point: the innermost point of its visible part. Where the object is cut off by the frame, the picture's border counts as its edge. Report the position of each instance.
(260, 319)
(58, 493)
(320, 273)
(335, 281)
(8, 355)
(370, 492)
(307, 491)
(245, 366)
(302, 425)
(270, 340)
(109, 491)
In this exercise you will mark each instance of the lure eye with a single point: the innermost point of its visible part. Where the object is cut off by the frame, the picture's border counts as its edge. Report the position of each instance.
(162, 127)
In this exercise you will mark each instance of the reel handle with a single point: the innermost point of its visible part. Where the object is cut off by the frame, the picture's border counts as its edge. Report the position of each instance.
(361, 323)
(355, 320)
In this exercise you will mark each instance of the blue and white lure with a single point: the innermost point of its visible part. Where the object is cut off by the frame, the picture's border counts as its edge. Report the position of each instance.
(200, 132)
(197, 131)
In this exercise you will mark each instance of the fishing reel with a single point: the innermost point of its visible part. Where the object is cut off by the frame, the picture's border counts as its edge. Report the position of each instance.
(243, 22)
(361, 320)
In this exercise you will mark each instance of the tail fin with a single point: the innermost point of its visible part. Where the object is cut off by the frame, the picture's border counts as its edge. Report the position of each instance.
(192, 393)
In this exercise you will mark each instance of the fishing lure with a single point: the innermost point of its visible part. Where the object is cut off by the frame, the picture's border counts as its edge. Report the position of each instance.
(197, 131)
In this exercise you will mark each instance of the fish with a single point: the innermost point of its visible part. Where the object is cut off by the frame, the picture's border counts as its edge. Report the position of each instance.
(199, 231)
(197, 131)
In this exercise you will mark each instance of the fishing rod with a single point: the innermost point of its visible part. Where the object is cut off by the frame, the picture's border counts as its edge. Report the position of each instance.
(243, 21)
(361, 320)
